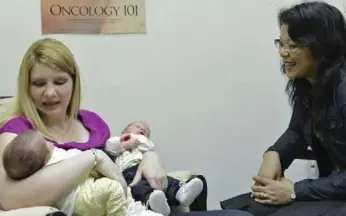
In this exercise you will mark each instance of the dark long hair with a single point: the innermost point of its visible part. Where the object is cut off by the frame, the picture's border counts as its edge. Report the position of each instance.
(321, 27)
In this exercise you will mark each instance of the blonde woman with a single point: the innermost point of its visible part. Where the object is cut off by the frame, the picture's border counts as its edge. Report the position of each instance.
(48, 100)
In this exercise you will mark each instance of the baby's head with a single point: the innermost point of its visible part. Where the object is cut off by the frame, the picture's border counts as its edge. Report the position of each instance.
(25, 155)
(138, 127)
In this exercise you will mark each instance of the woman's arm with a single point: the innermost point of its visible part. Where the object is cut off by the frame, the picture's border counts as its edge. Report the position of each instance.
(45, 187)
(332, 187)
(292, 143)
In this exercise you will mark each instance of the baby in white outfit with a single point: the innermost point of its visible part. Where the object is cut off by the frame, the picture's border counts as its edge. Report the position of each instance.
(128, 150)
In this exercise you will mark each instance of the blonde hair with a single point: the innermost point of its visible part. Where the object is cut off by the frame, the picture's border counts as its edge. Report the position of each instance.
(55, 55)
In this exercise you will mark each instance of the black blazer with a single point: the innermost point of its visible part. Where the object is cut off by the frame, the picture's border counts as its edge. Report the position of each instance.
(299, 135)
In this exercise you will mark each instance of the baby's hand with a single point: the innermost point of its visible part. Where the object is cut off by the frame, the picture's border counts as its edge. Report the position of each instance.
(128, 142)
(125, 137)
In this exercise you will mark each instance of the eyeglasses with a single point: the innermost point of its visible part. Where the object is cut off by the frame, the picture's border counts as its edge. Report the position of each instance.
(291, 48)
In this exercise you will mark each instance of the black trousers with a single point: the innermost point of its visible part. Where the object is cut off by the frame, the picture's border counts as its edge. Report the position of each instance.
(305, 208)
(142, 190)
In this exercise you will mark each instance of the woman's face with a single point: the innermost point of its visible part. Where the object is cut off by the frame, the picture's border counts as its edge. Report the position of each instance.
(51, 90)
(298, 61)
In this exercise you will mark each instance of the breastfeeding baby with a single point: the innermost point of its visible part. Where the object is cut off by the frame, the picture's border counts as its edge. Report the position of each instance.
(29, 152)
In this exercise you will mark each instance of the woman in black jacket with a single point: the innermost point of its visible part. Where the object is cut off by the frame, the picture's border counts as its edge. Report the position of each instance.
(312, 45)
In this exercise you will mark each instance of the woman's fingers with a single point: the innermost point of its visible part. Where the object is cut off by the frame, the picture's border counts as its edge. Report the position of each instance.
(259, 188)
(269, 199)
(264, 201)
(259, 195)
(263, 193)
(263, 180)
(264, 198)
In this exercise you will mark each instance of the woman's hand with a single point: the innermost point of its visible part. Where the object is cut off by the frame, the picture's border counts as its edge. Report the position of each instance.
(152, 169)
(271, 166)
(272, 192)
(128, 142)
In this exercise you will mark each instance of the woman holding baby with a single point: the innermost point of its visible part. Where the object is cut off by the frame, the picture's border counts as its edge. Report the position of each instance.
(48, 100)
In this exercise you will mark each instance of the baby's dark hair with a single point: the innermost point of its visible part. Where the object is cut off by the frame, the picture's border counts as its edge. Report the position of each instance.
(25, 155)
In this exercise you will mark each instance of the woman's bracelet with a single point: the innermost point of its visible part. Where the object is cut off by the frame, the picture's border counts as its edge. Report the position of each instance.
(95, 157)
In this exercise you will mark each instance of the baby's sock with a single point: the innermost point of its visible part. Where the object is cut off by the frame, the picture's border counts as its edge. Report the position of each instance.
(158, 203)
(189, 191)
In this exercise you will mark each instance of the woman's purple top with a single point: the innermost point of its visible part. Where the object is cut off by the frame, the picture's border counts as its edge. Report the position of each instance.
(98, 129)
